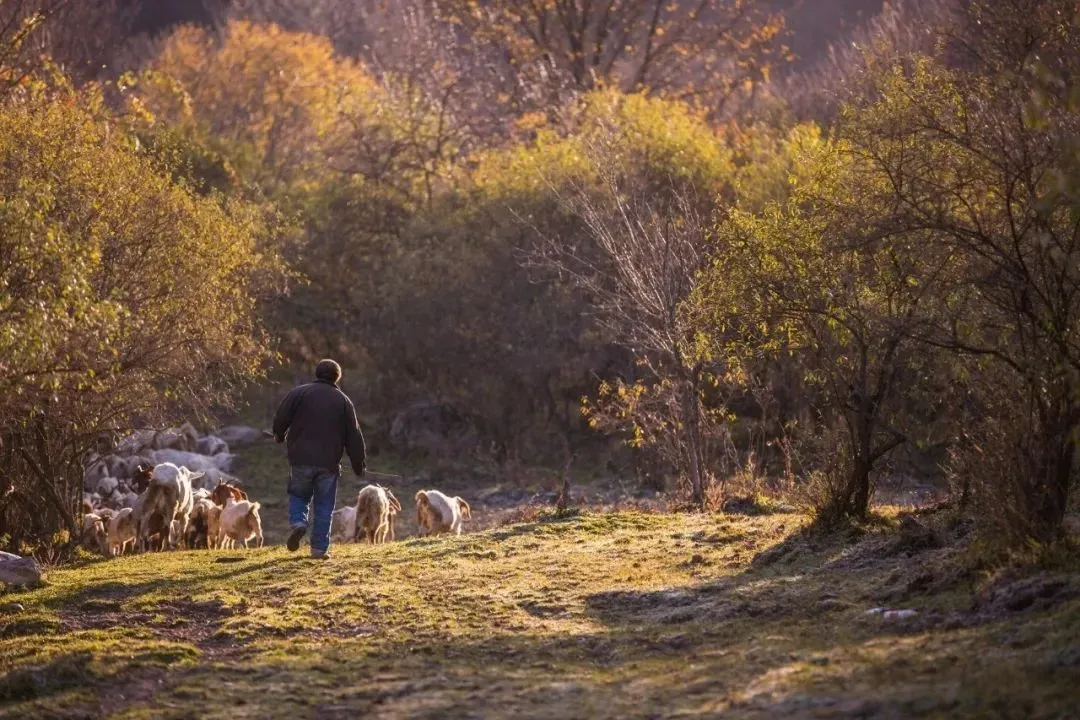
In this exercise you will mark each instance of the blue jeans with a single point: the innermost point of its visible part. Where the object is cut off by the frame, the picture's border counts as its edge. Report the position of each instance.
(318, 484)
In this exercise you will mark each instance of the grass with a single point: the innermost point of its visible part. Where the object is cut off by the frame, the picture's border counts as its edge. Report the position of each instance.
(590, 615)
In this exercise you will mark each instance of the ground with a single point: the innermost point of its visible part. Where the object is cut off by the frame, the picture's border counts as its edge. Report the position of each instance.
(591, 615)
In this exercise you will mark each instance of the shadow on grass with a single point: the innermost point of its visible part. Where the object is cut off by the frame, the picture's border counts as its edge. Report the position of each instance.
(118, 592)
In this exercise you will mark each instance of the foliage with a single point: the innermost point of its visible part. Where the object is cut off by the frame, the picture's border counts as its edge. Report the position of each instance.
(124, 296)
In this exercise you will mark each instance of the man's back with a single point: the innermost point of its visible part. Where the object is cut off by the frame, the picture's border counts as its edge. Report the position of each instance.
(318, 422)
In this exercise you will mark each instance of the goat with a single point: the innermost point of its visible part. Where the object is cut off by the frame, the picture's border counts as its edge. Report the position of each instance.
(395, 508)
(167, 498)
(198, 533)
(240, 521)
(140, 480)
(223, 491)
(213, 526)
(93, 533)
(343, 524)
(437, 513)
(121, 531)
(372, 514)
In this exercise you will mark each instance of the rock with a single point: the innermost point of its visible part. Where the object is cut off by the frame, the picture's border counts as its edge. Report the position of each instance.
(193, 461)
(893, 615)
(770, 556)
(832, 605)
(508, 497)
(914, 537)
(135, 443)
(107, 486)
(11, 608)
(437, 429)
(211, 445)
(1040, 590)
(15, 570)
(236, 435)
(93, 474)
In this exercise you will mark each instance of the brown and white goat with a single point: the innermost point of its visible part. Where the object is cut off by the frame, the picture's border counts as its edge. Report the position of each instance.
(438, 513)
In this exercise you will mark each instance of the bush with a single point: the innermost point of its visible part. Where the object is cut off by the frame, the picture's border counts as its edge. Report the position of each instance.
(125, 297)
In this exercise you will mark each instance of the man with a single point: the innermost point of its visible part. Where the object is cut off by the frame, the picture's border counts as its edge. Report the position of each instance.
(319, 422)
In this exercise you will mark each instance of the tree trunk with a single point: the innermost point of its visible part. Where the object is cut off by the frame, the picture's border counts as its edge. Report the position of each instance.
(692, 430)
(1053, 480)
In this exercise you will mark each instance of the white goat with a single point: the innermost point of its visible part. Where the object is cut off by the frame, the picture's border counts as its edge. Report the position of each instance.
(343, 524)
(121, 531)
(93, 533)
(240, 521)
(168, 498)
(372, 514)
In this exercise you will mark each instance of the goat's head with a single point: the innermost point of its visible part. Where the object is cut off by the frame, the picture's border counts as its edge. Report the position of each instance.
(141, 479)
(221, 494)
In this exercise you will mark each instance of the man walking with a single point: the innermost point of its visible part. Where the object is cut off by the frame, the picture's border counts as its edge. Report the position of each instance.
(319, 422)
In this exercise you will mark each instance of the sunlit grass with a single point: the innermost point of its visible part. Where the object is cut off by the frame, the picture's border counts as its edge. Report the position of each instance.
(620, 615)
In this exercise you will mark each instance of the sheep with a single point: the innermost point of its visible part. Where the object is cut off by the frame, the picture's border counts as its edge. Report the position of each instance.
(93, 533)
(343, 524)
(372, 514)
(240, 521)
(121, 531)
(167, 498)
(437, 513)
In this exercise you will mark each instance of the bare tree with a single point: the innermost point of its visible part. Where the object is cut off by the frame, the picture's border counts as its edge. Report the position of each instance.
(639, 266)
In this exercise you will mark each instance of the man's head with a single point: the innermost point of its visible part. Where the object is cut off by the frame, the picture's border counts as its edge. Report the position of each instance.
(328, 371)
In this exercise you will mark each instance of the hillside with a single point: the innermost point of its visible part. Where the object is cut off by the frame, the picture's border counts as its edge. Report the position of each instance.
(621, 615)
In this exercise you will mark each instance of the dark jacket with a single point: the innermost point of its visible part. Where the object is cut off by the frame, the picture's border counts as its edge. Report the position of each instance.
(319, 423)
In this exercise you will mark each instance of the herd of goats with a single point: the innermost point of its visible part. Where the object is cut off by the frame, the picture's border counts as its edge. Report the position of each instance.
(157, 490)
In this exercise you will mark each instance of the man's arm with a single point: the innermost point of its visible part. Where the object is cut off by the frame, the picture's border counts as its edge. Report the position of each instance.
(354, 440)
(284, 416)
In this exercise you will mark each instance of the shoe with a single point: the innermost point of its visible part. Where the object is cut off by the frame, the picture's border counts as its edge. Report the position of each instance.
(293, 543)
(316, 555)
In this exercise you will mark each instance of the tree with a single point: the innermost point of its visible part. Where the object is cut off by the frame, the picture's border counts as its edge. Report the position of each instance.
(819, 280)
(124, 297)
(977, 176)
(701, 49)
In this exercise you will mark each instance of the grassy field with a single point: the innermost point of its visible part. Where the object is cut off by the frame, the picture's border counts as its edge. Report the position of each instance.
(617, 615)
